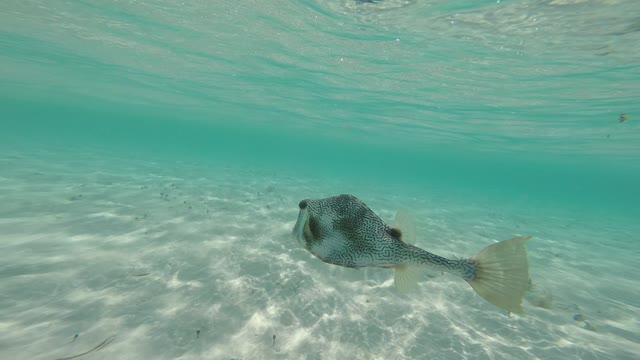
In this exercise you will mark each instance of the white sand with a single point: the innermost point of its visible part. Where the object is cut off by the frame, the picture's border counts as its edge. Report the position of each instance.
(153, 252)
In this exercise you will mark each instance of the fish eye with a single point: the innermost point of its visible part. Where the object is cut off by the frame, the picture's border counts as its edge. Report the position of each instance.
(303, 204)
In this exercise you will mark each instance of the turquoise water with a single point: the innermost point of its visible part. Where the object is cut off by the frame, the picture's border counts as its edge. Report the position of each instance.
(480, 115)
(518, 95)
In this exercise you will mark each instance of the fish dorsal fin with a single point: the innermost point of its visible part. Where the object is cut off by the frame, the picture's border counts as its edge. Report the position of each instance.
(407, 225)
(395, 232)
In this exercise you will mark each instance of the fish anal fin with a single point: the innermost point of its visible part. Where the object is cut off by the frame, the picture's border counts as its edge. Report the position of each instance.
(406, 278)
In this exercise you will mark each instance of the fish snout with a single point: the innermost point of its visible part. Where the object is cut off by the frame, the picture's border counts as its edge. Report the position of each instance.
(301, 223)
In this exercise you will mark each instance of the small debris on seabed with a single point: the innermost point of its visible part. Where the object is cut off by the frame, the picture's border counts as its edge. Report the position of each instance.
(198, 334)
(585, 324)
(106, 342)
(588, 326)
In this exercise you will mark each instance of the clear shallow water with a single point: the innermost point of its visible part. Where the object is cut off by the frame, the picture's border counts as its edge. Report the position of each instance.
(547, 77)
(470, 111)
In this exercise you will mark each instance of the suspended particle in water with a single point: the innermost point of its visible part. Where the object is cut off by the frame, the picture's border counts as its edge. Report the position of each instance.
(623, 118)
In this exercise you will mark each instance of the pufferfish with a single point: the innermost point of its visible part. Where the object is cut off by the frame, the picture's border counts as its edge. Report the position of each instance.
(344, 231)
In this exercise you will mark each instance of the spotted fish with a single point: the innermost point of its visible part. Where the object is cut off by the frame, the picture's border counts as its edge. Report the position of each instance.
(342, 230)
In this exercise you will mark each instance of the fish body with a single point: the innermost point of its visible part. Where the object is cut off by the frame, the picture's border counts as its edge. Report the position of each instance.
(342, 230)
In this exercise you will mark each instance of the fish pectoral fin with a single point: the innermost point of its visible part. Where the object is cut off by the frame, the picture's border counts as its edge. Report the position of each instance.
(406, 278)
(407, 225)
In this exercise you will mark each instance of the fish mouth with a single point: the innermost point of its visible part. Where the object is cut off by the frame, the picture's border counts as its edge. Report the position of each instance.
(301, 226)
(302, 229)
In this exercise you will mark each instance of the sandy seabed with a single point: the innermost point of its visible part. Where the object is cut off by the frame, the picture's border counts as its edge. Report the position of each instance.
(115, 258)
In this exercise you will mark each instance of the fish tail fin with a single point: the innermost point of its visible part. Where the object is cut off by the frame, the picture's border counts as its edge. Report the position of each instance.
(502, 274)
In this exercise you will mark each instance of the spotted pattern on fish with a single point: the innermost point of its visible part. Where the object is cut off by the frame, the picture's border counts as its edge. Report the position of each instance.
(344, 231)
